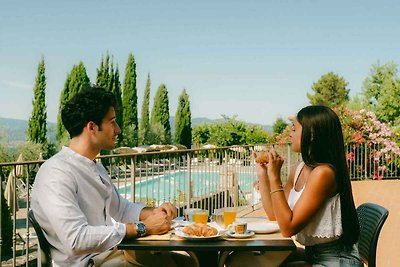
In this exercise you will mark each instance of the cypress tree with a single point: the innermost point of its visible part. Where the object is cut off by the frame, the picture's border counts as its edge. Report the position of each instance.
(116, 89)
(129, 102)
(183, 124)
(160, 112)
(105, 74)
(99, 76)
(74, 83)
(145, 120)
(37, 128)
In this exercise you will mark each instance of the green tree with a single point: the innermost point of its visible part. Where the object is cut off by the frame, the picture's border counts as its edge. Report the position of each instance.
(37, 126)
(229, 132)
(358, 102)
(388, 107)
(183, 121)
(330, 90)
(160, 112)
(381, 90)
(116, 89)
(103, 73)
(279, 125)
(156, 134)
(379, 76)
(257, 135)
(76, 80)
(145, 120)
(201, 134)
(129, 102)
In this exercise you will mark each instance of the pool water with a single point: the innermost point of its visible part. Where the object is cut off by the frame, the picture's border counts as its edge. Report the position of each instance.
(171, 186)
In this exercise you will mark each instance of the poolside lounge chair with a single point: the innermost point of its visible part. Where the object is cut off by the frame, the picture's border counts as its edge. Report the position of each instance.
(22, 188)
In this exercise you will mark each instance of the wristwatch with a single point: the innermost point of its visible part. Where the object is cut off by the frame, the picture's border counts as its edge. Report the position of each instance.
(141, 229)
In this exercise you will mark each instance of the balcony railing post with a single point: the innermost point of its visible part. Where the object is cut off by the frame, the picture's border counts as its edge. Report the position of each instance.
(365, 162)
(189, 180)
(289, 159)
(227, 178)
(133, 178)
(1, 212)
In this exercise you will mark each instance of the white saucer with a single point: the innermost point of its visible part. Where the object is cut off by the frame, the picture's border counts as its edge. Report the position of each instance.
(245, 235)
(263, 227)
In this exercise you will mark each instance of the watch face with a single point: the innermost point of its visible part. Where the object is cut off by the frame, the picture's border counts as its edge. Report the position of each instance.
(141, 229)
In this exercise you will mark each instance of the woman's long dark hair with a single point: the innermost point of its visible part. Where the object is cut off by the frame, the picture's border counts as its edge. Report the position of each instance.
(322, 143)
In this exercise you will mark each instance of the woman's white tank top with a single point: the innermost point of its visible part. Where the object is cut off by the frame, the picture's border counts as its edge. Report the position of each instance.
(326, 225)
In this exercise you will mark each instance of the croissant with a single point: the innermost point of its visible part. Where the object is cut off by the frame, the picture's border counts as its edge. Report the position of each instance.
(198, 229)
(262, 157)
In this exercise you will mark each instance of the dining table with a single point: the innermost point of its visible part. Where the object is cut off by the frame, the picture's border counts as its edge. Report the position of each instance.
(209, 250)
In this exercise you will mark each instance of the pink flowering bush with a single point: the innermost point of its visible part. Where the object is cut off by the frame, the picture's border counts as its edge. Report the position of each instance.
(371, 145)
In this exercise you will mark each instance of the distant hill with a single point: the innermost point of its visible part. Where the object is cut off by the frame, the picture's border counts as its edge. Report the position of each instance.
(203, 120)
(14, 130)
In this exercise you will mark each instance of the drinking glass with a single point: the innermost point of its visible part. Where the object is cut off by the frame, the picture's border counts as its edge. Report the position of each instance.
(200, 216)
(218, 217)
(229, 216)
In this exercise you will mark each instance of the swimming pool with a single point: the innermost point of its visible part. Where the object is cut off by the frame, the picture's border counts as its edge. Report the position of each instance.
(170, 186)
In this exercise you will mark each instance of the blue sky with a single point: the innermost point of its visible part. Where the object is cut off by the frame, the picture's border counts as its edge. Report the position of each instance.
(253, 59)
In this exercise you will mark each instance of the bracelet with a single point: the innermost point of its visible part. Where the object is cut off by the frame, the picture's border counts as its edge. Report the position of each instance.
(277, 190)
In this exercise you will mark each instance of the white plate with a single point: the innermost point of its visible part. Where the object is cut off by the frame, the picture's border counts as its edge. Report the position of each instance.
(263, 227)
(179, 222)
(245, 235)
(180, 233)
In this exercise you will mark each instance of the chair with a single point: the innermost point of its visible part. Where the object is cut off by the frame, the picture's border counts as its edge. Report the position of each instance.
(21, 188)
(371, 217)
(44, 246)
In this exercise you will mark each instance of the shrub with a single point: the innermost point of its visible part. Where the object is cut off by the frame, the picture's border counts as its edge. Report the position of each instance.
(366, 138)
(6, 229)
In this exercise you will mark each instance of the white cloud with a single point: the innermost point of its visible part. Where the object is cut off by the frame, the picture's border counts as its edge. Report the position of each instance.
(18, 85)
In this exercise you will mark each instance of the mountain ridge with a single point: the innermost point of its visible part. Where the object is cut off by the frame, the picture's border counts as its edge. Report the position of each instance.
(14, 130)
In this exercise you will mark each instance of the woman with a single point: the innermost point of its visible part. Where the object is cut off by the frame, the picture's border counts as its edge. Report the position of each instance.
(316, 204)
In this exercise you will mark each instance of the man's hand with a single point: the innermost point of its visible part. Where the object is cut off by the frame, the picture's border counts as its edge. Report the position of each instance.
(158, 223)
(167, 208)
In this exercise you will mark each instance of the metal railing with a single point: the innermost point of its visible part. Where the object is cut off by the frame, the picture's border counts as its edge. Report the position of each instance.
(206, 178)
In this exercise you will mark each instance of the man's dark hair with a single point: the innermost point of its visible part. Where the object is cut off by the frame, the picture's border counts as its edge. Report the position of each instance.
(91, 104)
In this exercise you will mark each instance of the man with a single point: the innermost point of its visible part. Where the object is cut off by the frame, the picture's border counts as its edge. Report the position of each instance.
(75, 202)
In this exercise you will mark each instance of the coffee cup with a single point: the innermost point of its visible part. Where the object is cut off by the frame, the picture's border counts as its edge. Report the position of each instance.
(238, 227)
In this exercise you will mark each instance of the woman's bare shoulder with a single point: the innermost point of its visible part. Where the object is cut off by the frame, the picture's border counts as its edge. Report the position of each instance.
(324, 176)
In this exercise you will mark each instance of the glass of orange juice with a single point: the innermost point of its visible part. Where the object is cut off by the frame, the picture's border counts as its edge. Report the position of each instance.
(229, 215)
(200, 216)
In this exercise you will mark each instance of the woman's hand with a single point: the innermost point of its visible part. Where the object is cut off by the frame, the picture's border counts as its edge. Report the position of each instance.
(274, 166)
(261, 169)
